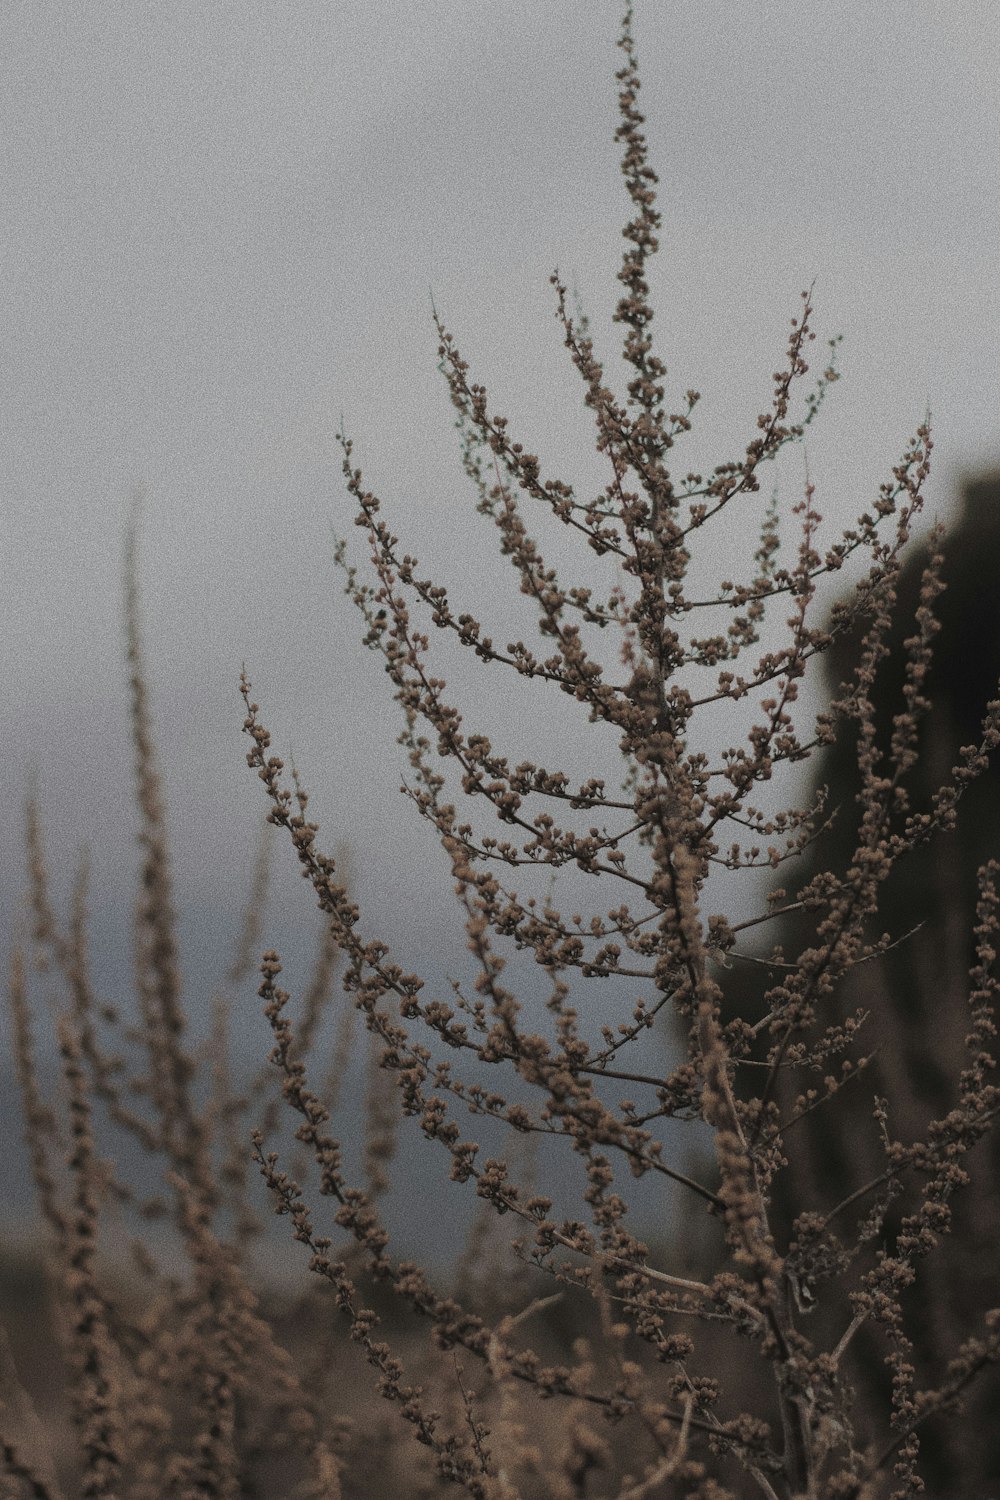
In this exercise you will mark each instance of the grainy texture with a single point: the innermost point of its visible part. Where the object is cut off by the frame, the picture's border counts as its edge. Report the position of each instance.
(797, 1339)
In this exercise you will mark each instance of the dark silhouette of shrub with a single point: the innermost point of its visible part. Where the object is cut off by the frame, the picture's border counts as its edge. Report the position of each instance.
(916, 994)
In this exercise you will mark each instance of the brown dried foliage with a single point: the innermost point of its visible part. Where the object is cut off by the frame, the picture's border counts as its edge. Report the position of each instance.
(730, 1361)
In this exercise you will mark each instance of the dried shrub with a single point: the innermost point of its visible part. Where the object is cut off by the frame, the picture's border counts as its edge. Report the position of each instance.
(736, 1360)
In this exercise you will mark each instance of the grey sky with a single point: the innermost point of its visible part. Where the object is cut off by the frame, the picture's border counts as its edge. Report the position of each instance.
(223, 227)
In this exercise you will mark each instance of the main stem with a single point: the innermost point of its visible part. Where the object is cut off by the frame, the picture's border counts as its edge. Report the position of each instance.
(745, 1211)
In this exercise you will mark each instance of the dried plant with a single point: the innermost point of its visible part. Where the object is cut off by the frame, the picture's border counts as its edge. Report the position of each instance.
(916, 999)
(730, 1361)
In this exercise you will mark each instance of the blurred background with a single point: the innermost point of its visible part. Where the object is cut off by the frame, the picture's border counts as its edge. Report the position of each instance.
(225, 228)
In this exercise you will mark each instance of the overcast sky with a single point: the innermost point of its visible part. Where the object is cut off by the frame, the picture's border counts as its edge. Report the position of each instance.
(224, 227)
